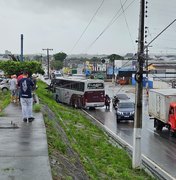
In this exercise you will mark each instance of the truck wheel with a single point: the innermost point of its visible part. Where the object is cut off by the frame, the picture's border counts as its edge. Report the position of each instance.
(172, 134)
(158, 125)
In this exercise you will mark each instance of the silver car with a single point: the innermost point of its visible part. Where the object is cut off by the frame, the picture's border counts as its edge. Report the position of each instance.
(4, 85)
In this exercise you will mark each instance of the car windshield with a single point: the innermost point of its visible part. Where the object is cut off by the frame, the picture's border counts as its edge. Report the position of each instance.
(126, 105)
(58, 75)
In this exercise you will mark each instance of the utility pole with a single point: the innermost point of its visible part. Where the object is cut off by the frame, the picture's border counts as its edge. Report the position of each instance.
(114, 68)
(136, 160)
(147, 57)
(47, 50)
(21, 56)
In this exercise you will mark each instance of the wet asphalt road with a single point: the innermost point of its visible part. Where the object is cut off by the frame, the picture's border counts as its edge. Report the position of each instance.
(159, 147)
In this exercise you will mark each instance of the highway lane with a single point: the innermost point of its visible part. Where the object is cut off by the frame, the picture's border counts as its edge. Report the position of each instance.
(159, 147)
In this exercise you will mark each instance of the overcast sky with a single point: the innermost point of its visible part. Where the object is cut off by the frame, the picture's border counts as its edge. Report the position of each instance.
(58, 24)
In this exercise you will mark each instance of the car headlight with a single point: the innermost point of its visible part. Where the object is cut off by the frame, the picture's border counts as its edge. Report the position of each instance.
(119, 112)
(131, 113)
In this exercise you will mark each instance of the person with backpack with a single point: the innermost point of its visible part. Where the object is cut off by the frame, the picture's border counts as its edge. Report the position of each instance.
(107, 101)
(26, 99)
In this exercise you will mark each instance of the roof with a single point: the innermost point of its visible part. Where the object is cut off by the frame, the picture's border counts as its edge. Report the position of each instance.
(171, 65)
(166, 92)
(70, 78)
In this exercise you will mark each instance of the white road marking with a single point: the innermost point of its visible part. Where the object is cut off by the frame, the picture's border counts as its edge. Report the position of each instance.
(153, 132)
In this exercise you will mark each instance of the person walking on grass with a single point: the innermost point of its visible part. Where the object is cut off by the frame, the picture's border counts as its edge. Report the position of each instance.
(26, 99)
(13, 88)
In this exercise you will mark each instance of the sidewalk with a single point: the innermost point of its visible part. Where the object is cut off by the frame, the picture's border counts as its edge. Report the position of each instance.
(23, 147)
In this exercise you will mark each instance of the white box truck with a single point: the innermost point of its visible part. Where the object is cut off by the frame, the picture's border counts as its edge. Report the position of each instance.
(162, 107)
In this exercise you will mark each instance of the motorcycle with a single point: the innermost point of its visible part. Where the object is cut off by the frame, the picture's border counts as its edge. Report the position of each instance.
(115, 102)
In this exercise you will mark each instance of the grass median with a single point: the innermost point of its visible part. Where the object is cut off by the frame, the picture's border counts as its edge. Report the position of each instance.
(4, 100)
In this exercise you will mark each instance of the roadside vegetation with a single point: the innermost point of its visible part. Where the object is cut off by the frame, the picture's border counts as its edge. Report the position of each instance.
(4, 100)
(80, 149)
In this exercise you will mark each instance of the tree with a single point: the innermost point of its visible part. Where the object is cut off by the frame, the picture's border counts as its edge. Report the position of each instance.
(38, 58)
(113, 57)
(60, 56)
(56, 65)
(16, 67)
(95, 59)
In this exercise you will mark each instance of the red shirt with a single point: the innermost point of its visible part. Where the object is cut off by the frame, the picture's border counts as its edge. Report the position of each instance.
(19, 77)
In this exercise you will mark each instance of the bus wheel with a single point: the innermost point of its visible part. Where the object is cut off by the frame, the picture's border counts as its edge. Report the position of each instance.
(57, 98)
(75, 105)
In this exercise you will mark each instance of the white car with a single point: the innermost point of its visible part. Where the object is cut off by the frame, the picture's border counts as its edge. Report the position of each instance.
(4, 85)
(57, 75)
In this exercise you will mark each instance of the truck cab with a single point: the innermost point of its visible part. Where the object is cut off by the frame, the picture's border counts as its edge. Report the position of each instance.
(172, 117)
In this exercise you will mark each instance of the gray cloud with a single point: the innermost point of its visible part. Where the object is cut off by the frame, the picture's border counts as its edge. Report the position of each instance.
(59, 23)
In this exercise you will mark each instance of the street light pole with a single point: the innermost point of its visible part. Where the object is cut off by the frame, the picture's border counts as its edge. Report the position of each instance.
(136, 160)
(48, 64)
(21, 56)
(114, 68)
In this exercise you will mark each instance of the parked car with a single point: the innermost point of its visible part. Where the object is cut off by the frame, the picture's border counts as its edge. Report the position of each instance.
(1, 79)
(57, 75)
(4, 85)
(125, 111)
(123, 81)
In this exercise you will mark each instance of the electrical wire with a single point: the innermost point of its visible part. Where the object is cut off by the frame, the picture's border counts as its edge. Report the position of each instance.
(112, 21)
(87, 25)
(128, 28)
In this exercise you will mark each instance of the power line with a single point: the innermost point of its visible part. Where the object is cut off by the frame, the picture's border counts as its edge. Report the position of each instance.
(87, 25)
(127, 25)
(107, 26)
(161, 32)
(112, 21)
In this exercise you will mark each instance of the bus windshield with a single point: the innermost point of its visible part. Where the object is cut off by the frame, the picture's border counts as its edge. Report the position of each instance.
(95, 86)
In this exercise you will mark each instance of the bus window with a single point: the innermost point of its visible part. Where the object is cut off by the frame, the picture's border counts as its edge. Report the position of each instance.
(81, 86)
(78, 86)
(74, 85)
(95, 86)
(66, 85)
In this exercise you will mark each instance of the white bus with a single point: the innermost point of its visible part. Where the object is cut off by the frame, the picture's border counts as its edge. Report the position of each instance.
(80, 93)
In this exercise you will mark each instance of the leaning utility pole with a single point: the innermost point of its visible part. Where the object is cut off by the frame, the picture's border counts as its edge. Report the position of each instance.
(136, 161)
(47, 50)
